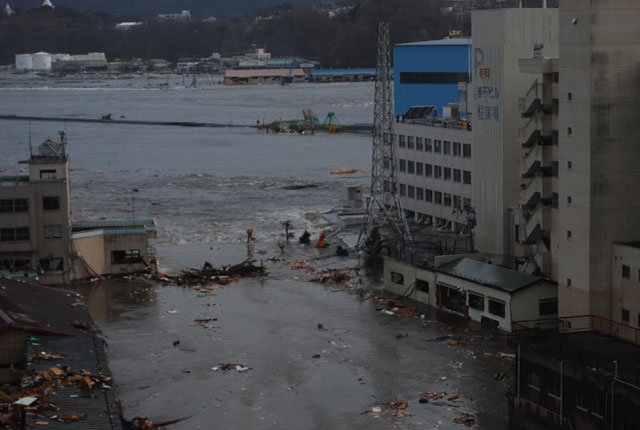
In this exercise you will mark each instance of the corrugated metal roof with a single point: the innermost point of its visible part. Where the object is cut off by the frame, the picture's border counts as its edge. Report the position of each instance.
(488, 274)
(100, 405)
(261, 73)
(343, 72)
(442, 42)
(42, 309)
(113, 224)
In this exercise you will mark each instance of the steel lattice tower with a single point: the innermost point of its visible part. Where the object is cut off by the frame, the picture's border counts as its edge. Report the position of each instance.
(384, 209)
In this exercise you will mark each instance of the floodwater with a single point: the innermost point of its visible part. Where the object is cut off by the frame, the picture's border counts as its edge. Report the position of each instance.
(205, 187)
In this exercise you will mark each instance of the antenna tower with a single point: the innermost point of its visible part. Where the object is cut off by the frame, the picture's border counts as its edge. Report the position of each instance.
(384, 210)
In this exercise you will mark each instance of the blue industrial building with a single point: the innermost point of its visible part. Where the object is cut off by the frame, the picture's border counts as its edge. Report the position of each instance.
(427, 73)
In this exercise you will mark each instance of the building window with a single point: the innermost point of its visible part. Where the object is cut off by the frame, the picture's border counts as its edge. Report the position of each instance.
(411, 192)
(554, 200)
(14, 205)
(476, 301)
(466, 203)
(446, 148)
(569, 165)
(47, 174)
(569, 97)
(428, 170)
(457, 175)
(20, 234)
(625, 315)
(397, 278)
(51, 203)
(457, 202)
(626, 272)
(428, 195)
(51, 264)
(403, 190)
(447, 199)
(598, 404)
(555, 106)
(125, 257)
(419, 193)
(534, 378)
(411, 167)
(437, 172)
(569, 131)
(402, 141)
(422, 285)
(497, 307)
(437, 146)
(410, 141)
(568, 234)
(569, 200)
(447, 173)
(553, 389)
(419, 168)
(556, 77)
(15, 265)
(548, 306)
(568, 282)
(53, 232)
(438, 198)
(466, 177)
(466, 150)
(427, 145)
(419, 144)
(457, 149)
(403, 165)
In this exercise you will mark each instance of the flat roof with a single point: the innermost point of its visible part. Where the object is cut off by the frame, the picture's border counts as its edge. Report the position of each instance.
(635, 244)
(343, 72)
(261, 73)
(488, 275)
(461, 41)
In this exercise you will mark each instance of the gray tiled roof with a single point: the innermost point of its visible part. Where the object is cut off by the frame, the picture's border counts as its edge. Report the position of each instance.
(488, 274)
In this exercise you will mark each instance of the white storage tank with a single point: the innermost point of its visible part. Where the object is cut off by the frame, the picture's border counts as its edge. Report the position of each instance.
(24, 62)
(41, 61)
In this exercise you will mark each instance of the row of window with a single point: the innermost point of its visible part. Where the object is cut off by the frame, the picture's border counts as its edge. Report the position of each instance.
(436, 197)
(436, 146)
(21, 234)
(429, 170)
(22, 205)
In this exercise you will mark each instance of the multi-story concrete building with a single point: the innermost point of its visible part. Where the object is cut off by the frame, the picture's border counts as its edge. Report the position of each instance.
(500, 38)
(432, 137)
(35, 216)
(434, 170)
(37, 236)
(578, 157)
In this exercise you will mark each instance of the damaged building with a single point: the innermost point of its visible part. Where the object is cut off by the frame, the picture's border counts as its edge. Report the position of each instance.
(39, 239)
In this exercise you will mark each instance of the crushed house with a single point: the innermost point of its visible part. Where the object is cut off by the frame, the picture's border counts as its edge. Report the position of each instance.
(38, 238)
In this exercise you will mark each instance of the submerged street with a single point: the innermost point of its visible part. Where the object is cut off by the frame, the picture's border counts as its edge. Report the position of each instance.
(300, 375)
(319, 356)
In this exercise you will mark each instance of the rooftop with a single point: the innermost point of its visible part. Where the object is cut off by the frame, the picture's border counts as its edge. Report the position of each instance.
(488, 275)
(443, 42)
(81, 353)
(41, 309)
(250, 73)
(629, 244)
(343, 72)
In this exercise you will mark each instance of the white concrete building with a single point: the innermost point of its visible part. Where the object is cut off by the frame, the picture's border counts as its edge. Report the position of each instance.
(434, 170)
(500, 38)
(478, 290)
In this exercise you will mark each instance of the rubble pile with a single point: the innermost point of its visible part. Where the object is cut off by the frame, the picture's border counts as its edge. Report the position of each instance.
(210, 276)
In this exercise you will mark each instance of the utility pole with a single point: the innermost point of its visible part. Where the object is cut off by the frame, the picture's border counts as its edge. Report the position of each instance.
(384, 210)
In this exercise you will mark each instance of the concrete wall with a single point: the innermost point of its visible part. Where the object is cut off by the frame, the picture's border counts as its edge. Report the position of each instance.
(410, 274)
(599, 58)
(625, 293)
(500, 38)
(12, 350)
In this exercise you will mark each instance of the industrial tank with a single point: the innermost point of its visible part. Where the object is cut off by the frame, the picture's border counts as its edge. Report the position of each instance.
(41, 61)
(24, 62)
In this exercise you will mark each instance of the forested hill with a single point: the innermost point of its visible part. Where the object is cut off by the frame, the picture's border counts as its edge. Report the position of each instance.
(151, 8)
(344, 37)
